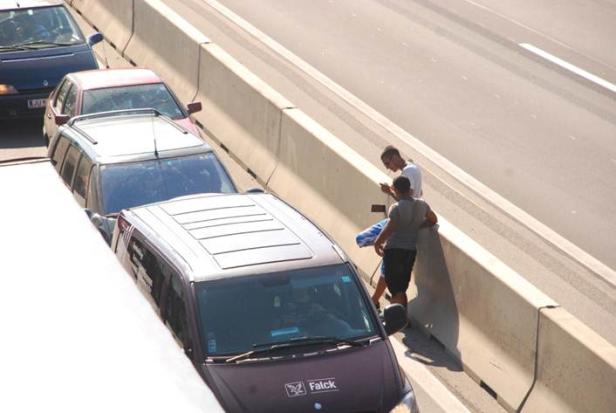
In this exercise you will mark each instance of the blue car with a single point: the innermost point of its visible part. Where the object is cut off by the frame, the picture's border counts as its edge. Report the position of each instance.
(39, 44)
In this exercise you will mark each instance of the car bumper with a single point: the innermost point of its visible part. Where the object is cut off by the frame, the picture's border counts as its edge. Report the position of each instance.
(21, 105)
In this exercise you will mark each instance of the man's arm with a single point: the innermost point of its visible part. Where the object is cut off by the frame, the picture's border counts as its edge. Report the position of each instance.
(386, 188)
(430, 219)
(385, 233)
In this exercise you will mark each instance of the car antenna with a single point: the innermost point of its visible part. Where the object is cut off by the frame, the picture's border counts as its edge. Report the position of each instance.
(154, 137)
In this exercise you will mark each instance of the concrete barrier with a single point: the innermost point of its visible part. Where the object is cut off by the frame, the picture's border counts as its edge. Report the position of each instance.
(168, 44)
(113, 18)
(576, 368)
(328, 182)
(481, 310)
(240, 110)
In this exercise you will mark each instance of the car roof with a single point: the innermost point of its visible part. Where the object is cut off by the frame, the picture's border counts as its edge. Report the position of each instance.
(104, 78)
(218, 236)
(121, 138)
(27, 4)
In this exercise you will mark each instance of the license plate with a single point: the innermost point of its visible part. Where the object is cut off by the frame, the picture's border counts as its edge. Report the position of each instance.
(36, 103)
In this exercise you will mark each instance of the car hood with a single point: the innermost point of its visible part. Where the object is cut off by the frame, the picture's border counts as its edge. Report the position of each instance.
(43, 68)
(348, 380)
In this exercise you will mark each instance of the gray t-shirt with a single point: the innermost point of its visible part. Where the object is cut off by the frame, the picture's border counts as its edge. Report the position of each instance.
(407, 214)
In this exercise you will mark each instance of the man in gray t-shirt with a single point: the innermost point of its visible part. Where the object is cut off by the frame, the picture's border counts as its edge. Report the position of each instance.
(397, 243)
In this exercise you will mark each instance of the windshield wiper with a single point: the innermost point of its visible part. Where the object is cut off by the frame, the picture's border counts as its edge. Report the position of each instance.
(15, 47)
(263, 348)
(42, 43)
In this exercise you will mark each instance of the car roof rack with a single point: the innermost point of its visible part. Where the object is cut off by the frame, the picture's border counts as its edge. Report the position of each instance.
(124, 112)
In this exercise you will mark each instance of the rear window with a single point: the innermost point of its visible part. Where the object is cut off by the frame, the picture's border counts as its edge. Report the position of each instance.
(155, 96)
(132, 184)
(38, 28)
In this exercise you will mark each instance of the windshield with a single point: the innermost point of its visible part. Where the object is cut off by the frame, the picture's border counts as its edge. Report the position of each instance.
(38, 28)
(132, 184)
(154, 95)
(238, 313)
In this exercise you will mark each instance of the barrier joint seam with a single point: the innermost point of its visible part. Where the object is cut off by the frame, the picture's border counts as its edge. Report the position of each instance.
(536, 364)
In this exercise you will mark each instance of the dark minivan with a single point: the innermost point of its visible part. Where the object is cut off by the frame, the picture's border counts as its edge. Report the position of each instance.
(39, 44)
(270, 310)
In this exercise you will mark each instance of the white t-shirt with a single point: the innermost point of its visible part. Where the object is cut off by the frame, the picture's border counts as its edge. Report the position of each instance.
(413, 173)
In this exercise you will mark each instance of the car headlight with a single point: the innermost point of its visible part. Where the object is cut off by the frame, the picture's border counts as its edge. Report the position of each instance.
(7, 89)
(408, 404)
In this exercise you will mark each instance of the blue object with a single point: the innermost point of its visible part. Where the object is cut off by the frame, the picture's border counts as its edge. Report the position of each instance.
(284, 331)
(369, 235)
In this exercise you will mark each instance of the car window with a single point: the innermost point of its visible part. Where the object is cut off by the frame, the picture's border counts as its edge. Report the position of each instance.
(132, 184)
(59, 152)
(61, 97)
(147, 268)
(70, 101)
(154, 95)
(92, 198)
(68, 168)
(175, 312)
(82, 178)
(40, 27)
(322, 301)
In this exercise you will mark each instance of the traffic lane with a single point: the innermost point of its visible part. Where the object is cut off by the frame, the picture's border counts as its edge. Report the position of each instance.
(21, 138)
(587, 28)
(535, 135)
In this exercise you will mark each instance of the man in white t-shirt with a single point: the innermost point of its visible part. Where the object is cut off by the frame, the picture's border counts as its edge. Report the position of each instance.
(393, 161)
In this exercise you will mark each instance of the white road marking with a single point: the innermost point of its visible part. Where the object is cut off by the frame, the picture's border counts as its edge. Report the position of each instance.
(421, 376)
(587, 260)
(570, 67)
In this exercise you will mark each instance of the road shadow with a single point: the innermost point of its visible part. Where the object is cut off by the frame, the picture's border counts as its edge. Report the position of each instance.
(21, 133)
(427, 350)
(433, 306)
(21, 139)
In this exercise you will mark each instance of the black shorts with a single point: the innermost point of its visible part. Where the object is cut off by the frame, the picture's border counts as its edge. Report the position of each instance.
(397, 266)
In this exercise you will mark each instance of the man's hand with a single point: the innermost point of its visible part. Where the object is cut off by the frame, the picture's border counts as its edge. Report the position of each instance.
(386, 188)
(378, 247)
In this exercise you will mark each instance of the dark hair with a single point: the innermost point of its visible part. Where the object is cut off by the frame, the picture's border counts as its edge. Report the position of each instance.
(390, 150)
(402, 184)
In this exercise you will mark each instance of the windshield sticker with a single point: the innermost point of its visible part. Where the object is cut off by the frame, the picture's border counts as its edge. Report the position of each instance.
(284, 331)
(211, 343)
(295, 389)
(346, 279)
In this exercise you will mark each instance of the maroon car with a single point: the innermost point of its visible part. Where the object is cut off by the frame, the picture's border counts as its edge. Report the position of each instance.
(94, 91)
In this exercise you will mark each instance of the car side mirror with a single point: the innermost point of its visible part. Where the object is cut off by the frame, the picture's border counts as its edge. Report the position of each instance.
(95, 38)
(194, 107)
(394, 318)
(61, 119)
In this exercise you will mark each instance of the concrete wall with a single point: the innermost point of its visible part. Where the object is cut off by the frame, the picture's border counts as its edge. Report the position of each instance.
(240, 110)
(480, 309)
(165, 42)
(113, 18)
(576, 368)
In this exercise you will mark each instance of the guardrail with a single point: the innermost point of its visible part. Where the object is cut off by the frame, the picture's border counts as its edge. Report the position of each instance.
(497, 324)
